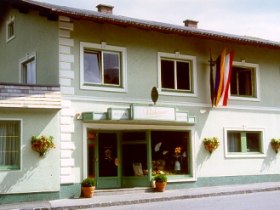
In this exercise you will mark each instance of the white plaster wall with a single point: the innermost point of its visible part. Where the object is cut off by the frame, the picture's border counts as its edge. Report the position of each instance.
(36, 174)
(217, 164)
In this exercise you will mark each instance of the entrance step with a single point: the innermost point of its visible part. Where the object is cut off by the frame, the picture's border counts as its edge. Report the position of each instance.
(121, 191)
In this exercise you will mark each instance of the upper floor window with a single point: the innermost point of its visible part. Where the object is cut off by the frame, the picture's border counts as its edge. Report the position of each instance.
(103, 67)
(249, 142)
(244, 80)
(28, 69)
(9, 144)
(177, 74)
(10, 29)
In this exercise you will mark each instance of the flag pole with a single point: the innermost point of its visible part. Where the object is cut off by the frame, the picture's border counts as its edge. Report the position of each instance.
(212, 78)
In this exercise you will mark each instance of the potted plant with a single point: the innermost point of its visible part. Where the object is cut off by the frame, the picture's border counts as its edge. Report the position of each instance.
(160, 182)
(275, 144)
(211, 143)
(42, 144)
(88, 187)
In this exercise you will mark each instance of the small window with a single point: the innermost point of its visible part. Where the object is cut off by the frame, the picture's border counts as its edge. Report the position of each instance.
(244, 142)
(244, 81)
(9, 145)
(102, 67)
(176, 74)
(28, 70)
(10, 29)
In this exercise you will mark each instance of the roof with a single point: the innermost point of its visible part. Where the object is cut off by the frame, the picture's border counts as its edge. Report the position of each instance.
(52, 10)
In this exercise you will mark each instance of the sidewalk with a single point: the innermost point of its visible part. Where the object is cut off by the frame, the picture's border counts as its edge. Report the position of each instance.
(134, 196)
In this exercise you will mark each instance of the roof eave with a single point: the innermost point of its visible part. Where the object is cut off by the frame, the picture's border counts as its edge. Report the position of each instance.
(52, 10)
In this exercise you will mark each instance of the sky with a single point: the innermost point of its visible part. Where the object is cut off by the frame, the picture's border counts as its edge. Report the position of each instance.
(253, 18)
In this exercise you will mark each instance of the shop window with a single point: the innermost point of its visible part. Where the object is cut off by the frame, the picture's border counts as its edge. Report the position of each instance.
(134, 158)
(102, 67)
(244, 142)
(134, 154)
(170, 152)
(176, 74)
(244, 83)
(9, 145)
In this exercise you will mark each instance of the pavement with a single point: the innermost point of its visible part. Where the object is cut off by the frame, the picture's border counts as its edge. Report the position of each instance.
(141, 195)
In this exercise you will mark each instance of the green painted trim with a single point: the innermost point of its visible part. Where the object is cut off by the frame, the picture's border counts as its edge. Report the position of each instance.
(70, 191)
(28, 197)
(226, 180)
(243, 142)
(66, 191)
(74, 190)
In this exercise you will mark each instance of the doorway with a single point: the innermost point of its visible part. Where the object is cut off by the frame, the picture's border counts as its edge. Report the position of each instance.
(103, 159)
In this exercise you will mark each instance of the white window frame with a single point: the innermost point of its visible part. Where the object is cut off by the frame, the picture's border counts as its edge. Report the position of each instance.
(26, 58)
(123, 70)
(20, 142)
(178, 56)
(8, 22)
(257, 83)
(260, 154)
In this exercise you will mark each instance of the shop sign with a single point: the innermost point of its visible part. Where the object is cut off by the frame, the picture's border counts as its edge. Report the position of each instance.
(191, 120)
(153, 113)
(118, 114)
(87, 116)
(138, 112)
(182, 116)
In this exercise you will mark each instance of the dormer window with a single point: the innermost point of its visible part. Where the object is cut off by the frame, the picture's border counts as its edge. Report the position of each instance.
(10, 29)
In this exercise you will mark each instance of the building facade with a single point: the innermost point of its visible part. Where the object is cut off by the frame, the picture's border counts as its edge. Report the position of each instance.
(126, 98)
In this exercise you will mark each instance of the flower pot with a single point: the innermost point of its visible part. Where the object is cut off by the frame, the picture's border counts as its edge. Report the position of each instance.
(209, 147)
(88, 192)
(275, 146)
(160, 186)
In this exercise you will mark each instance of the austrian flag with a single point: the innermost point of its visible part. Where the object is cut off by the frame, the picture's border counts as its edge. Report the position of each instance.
(220, 78)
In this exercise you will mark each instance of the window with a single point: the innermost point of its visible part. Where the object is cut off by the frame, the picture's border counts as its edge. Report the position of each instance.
(170, 152)
(29, 72)
(177, 74)
(10, 29)
(102, 67)
(28, 69)
(244, 80)
(9, 144)
(134, 154)
(244, 142)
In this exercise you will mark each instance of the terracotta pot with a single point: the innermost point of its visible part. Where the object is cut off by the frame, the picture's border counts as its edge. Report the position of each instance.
(88, 192)
(275, 146)
(160, 186)
(209, 147)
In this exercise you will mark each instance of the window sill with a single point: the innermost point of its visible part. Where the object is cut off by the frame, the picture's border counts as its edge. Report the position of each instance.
(103, 88)
(236, 98)
(179, 94)
(245, 155)
(180, 178)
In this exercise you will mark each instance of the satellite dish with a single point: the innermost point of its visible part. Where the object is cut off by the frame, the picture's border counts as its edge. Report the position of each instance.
(154, 95)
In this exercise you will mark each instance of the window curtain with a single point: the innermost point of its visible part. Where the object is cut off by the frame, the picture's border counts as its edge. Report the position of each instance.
(234, 142)
(31, 72)
(9, 143)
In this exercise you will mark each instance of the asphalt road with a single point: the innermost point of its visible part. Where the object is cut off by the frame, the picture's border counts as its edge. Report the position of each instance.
(252, 201)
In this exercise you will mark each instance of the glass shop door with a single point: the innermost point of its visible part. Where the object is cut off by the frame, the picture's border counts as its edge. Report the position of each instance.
(108, 170)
